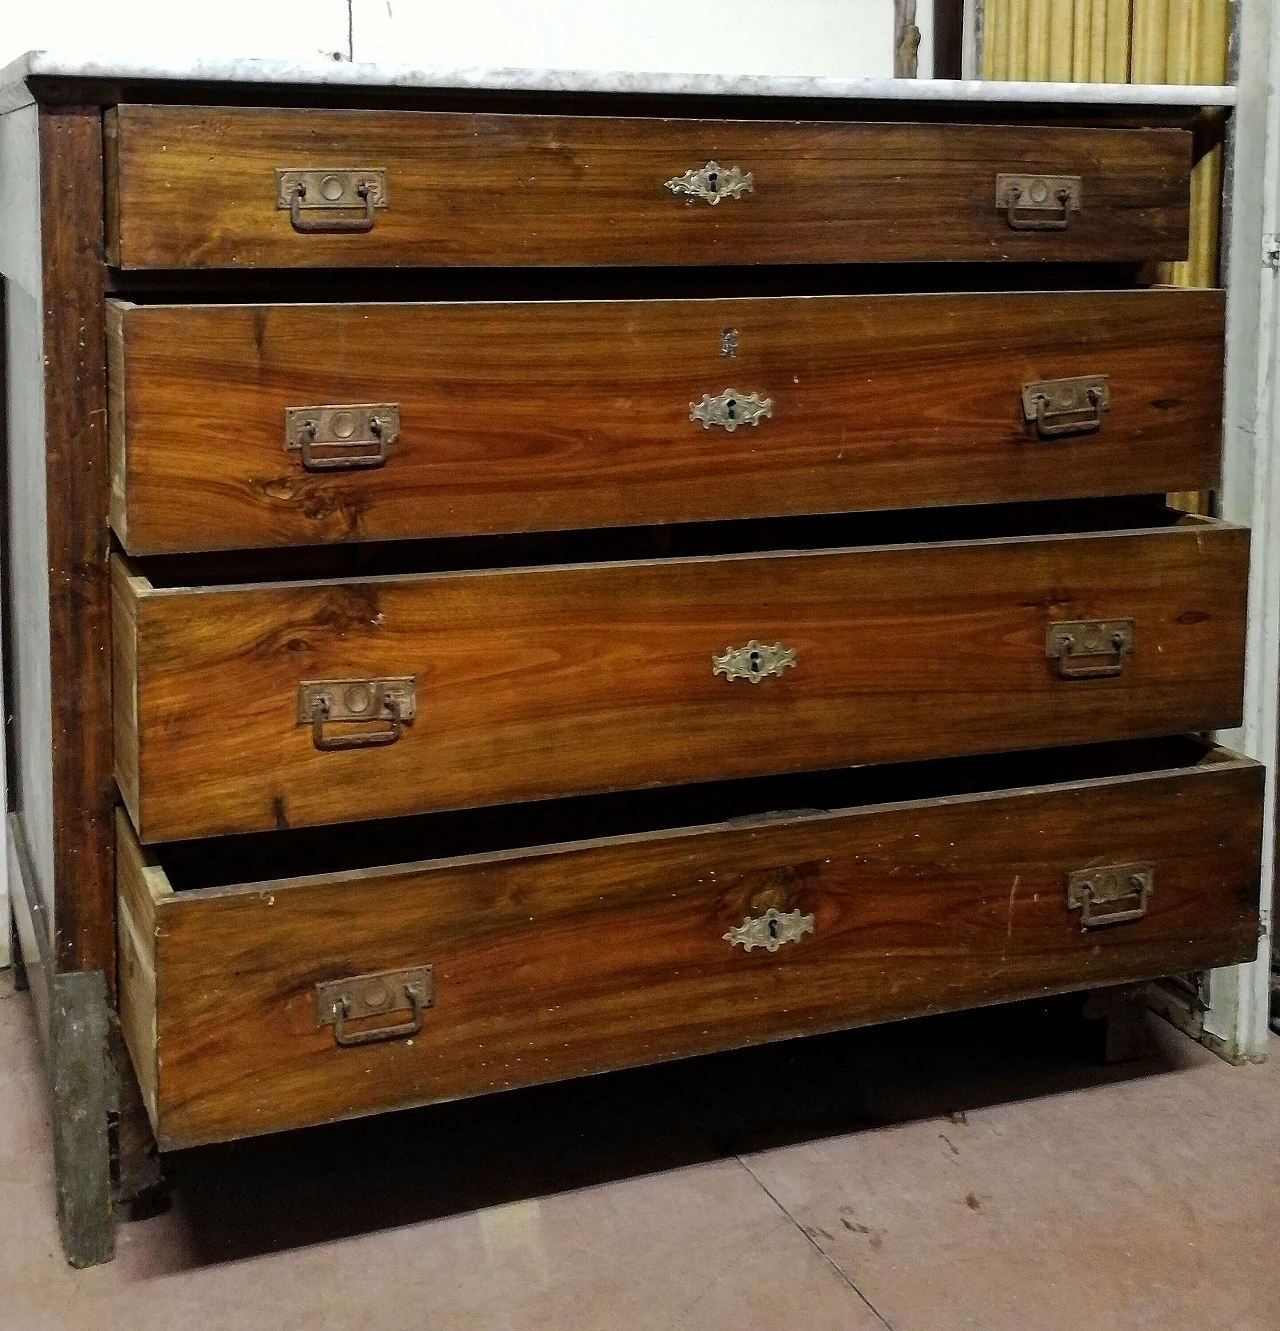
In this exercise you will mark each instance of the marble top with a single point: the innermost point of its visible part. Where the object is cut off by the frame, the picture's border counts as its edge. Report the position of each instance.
(348, 74)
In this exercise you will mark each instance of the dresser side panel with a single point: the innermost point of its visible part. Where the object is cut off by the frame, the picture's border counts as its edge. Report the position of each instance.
(28, 679)
(78, 482)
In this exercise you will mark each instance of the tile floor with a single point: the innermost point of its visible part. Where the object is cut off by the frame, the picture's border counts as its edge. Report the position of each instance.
(980, 1171)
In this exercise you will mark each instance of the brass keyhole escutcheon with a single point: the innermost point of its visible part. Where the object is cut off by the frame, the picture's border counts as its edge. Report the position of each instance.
(754, 661)
(771, 930)
(713, 182)
(731, 409)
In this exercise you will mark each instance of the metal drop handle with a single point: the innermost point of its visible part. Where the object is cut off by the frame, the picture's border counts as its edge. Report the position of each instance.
(331, 225)
(360, 997)
(1101, 894)
(1034, 219)
(1091, 916)
(333, 743)
(308, 439)
(1067, 642)
(400, 1031)
(1080, 420)
(1070, 668)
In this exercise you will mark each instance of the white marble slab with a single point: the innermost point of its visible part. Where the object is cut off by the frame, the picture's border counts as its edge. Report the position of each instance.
(346, 74)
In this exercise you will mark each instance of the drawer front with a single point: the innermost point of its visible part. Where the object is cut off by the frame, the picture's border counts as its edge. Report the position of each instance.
(210, 187)
(561, 961)
(514, 417)
(556, 681)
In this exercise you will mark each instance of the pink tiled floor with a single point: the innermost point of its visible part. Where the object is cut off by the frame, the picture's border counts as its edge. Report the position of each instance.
(979, 1171)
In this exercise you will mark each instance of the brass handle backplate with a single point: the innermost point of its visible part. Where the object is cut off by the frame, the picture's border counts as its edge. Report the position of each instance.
(326, 701)
(730, 409)
(1038, 203)
(1067, 406)
(362, 996)
(301, 191)
(1101, 894)
(770, 930)
(713, 182)
(348, 437)
(754, 661)
(1089, 648)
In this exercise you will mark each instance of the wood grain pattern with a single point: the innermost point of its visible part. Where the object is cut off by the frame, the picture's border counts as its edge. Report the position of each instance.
(124, 670)
(71, 169)
(468, 189)
(536, 416)
(566, 960)
(564, 680)
(140, 885)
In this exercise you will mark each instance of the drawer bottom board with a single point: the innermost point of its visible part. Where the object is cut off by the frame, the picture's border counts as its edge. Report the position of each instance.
(560, 960)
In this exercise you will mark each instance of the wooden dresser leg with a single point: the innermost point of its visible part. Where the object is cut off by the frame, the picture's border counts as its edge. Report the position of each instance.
(82, 1082)
(1121, 1014)
(138, 1185)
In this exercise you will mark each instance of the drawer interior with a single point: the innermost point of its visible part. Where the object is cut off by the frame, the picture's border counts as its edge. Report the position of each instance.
(225, 862)
(983, 522)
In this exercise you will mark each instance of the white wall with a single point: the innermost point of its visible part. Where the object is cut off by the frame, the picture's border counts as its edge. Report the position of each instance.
(817, 37)
(836, 37)
(294, 29)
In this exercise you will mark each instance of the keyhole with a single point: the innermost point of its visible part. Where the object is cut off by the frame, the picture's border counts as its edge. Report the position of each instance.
(773, 928)
(732, 406)
(711, 181)
(754, 660)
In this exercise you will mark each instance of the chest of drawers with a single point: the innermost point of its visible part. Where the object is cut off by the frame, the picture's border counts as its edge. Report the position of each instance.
(535, 587)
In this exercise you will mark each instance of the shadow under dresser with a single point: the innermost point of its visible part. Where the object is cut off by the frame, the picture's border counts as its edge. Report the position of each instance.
(544, 583)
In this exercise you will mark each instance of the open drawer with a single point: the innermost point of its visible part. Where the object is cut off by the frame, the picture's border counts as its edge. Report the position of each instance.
(279, 704)
(479, 417)
(268, 982)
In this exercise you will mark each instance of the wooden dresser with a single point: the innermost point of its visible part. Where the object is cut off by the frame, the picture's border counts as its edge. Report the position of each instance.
(505, 585)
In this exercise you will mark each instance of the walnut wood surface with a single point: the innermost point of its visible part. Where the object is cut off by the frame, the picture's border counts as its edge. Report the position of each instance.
(194, 187)
(564, 680)
(568, 960)
(71, 220)
(527, 416)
